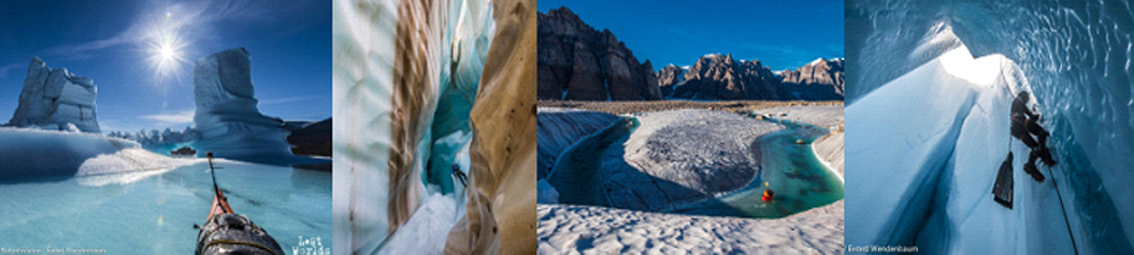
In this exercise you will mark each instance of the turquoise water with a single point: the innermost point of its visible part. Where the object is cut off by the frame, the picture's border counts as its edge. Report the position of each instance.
(799, 179)
(153, 212)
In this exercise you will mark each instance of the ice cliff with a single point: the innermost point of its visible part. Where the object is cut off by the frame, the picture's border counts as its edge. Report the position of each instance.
(558, 129)
(227, 119)
(927, 168)
(55, 99)
(407, 75)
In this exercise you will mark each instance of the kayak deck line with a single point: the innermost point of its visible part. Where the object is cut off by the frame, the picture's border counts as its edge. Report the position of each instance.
(226, 232)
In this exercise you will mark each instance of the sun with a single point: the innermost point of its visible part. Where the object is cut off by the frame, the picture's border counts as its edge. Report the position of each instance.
(166, 52)
(164, 47)
(165, 56)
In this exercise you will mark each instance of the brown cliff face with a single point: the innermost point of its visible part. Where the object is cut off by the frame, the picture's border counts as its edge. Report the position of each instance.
(577, 62)
(502, 176)
(821, 79)
(670, 76)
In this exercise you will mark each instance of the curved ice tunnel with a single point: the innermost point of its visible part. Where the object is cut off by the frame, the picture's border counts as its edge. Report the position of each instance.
(364, 35)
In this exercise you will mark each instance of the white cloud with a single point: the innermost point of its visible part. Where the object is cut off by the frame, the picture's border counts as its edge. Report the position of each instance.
(190, 20)
(5, 70)
(178, 118)
(286, 100)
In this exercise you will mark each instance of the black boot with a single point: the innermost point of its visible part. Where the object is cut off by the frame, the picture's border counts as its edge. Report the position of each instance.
(1031, 169)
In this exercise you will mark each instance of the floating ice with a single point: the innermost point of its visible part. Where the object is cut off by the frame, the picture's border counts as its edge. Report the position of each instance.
(28, 153)
(55, 99)
(227, 119)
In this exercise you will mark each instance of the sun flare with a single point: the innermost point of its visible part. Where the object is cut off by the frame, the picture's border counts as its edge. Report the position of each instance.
(167, 53)
(164, 47)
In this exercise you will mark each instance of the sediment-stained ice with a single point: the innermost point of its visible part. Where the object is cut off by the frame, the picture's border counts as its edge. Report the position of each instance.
(404, 100)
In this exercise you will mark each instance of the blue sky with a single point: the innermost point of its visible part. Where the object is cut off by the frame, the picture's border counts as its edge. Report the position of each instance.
(782, 33)
(117, 43)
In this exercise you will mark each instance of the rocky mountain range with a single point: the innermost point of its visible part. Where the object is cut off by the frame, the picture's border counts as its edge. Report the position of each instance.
(577, 62)
(821, 79)
(721, 77)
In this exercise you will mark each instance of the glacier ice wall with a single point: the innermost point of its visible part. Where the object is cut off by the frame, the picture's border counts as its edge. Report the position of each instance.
(464, 50)
(928, 167)
(502, 176)
(1078, 59)
(405, 78)
(560, 128)
(54, 99)
(363, 40)
(227, 119)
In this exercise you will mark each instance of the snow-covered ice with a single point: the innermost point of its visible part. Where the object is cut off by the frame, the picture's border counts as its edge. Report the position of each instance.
(573, 229)
(696, 162)
(30, 153)
(658, 160)
(692, 161)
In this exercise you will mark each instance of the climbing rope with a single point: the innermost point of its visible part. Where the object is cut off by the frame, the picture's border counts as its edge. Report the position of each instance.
(1065, 218)
(1050, 172)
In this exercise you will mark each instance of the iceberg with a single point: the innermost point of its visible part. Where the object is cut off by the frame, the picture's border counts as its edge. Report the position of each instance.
(55, 99)
(227, 119)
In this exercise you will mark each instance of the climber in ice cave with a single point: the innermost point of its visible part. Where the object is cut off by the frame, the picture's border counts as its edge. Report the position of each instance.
(1025, 123)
